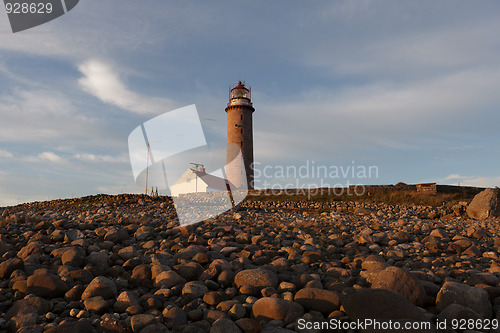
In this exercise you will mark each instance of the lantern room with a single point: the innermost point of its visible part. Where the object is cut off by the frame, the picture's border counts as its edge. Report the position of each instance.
(239, 95)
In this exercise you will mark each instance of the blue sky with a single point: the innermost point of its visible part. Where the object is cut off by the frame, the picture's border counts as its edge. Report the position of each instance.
(409, 87)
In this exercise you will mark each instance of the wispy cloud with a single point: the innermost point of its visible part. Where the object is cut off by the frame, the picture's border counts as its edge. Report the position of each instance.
(102, 158)
(380, 41)
(101, 81)
(395, 116)
(5, 153)
(49, 156)
(46, 156)
(478, 181)
(41, 115)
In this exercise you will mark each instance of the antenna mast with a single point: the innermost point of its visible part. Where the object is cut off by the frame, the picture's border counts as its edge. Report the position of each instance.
(196, 166)
(147, 170)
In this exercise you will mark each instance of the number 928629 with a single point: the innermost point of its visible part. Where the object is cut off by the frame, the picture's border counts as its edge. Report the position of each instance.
(28, 8)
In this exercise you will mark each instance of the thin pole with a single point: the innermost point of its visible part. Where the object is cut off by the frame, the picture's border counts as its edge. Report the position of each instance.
(147, 170)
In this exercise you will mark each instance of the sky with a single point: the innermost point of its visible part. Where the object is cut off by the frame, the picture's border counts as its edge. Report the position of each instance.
(409, 89)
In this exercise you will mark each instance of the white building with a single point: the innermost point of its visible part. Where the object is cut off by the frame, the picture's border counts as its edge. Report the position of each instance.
(193, 181)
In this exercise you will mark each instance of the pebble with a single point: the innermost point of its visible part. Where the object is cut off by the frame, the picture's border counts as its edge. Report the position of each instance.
(256, 278)
(169, 279)
(46, 285)
(225, 325)
(379, 304)
(122, 264)
(268, 308)
(140, 321)
(321, 300)
(96, 304)
(100, 286)
(400, 282)
(476, 299)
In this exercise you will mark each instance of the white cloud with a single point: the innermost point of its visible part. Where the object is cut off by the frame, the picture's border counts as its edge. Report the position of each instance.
(477, 181)
(51, 157)
(387, 41)
(5, 153)
(41, 115)
(102, 158)
(69, 36)
(32, 42)
(404, 116)
(122, 188)
(102, 82)
(46, 156)
(452, 177)
(416, 103)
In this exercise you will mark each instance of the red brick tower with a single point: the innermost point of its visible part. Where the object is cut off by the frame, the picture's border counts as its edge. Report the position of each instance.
(240, 137)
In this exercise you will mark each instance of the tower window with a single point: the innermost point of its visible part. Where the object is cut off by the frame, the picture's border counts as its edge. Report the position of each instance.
(241, 143)
(241, 117)
(241, 130)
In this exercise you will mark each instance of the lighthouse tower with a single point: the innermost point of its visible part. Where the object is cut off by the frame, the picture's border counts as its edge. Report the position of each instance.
(240, 137)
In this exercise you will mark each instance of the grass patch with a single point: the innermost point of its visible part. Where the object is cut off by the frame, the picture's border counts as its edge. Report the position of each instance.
(386, 195)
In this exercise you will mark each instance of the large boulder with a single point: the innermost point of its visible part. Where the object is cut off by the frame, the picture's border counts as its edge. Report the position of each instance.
(321, 300)
(169, 279)
(193, 290)
(140, 321)
(82, 326)
(24, 323)
(224, 325)
(384, 307)
(116, 235)
(96, 304)
(46, 285)
(124, 300)
(474, 298)
(9, 266)
(457, 311)
(485, 204)
(256, 279)
(73, 257)
(400, 282)
(268, 308)
(100, 286)
(30, 304)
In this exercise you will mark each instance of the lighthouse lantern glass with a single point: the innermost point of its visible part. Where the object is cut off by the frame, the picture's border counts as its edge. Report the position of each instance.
(239, 93)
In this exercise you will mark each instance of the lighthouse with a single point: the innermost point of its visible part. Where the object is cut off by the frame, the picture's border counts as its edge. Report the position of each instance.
(240, 137)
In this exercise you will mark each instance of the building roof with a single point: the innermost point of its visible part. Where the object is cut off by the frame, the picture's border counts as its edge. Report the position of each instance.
(186, 177)
(212, 181)
(426, 184)
(215, 182)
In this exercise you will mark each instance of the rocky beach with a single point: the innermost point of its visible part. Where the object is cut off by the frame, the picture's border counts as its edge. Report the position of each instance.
(123, 264)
